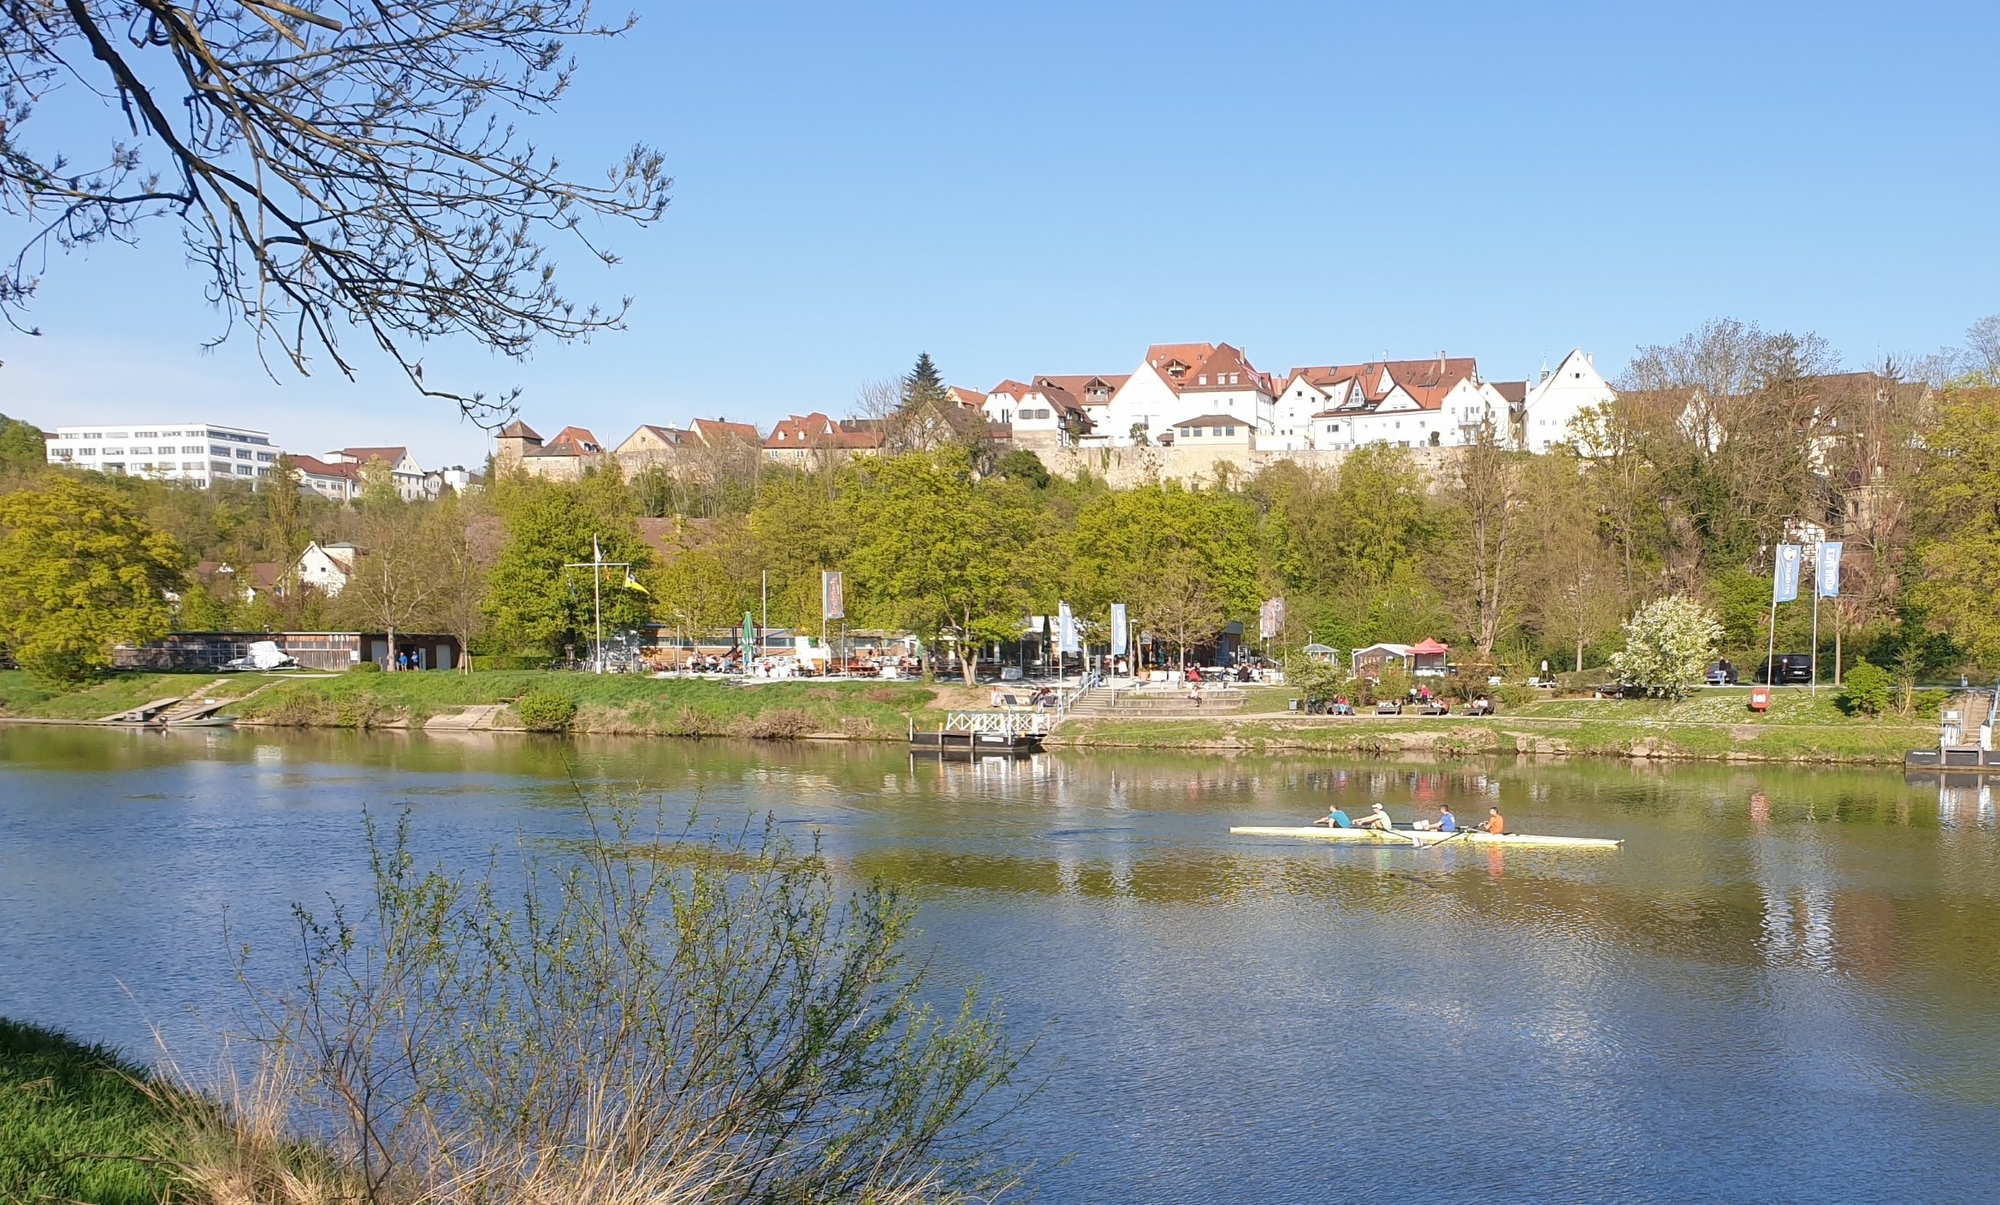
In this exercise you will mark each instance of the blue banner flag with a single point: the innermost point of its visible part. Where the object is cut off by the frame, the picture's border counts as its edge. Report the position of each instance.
(1118, 633)
(1066, 630)
(1829, 569)
(1785, 576)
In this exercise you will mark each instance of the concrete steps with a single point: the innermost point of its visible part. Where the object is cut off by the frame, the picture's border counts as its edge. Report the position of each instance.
(471, 719)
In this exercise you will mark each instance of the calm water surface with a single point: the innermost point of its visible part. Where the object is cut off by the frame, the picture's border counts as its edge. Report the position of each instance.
(1786, 987)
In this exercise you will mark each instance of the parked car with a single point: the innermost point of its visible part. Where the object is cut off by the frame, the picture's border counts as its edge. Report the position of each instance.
(1786, 668)
(1721, 673)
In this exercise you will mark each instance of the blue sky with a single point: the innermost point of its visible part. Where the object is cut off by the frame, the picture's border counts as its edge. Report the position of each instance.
(1034, 188)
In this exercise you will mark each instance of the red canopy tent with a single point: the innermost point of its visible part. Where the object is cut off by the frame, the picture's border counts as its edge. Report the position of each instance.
(1427, 656)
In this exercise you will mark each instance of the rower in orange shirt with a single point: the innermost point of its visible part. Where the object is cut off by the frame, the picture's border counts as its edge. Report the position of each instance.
(1495, 822)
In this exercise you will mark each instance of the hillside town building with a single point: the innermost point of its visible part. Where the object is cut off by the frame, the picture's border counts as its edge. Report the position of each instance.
(199, 453)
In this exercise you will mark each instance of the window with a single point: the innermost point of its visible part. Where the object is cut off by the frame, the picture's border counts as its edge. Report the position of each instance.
(1228, 431)
(267, 456)
(86, 451)
(218, 451)
(192, 466)
(114, 451)
(242, 453)
(142, 452)
(243, 469)
(1233, 377)
(194, 450)
(145, 435)
(1202, 379)
(64, 453)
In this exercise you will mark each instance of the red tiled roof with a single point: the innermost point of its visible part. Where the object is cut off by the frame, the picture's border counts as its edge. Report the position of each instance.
(970, 398)
(570, 441)
(1079, 386)
(1010, 388)
(816, 430)
(316, 467)
(713, 429)
(388, 456)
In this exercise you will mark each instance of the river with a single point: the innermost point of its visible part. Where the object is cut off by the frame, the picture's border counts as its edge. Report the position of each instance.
(1784, 987)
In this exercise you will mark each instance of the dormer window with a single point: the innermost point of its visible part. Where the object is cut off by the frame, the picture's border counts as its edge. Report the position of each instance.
(1202, 379)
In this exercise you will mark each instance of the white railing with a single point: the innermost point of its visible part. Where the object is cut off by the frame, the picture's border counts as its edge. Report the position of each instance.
(1009, 724)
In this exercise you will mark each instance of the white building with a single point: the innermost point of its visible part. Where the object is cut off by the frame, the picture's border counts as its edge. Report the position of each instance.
(1557, 398)
(326, 567)
(199, 453)
(407, 477)
(1180, 381)
(1441, 403)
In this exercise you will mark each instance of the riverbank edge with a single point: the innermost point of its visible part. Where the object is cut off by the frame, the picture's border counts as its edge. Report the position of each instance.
(1799, 732)
(1445, 740)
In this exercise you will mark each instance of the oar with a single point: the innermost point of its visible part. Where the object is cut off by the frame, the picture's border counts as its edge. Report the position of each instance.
(1455, 833)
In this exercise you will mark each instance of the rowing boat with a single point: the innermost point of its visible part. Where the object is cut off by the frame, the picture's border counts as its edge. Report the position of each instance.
(1403, 836)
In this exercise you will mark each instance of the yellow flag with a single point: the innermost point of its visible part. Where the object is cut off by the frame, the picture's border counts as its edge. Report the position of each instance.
(632, 583)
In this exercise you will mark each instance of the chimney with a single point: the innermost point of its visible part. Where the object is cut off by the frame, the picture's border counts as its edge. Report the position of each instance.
(1440, 363)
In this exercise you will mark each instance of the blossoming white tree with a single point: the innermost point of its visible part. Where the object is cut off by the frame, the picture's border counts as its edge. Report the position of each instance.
(1668, 645)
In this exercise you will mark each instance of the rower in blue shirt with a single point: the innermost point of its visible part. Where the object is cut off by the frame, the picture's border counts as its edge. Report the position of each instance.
(1335, 818)
(1447, 823)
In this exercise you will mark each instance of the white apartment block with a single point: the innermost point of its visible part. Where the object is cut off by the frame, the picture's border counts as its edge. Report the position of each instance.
(199, 453)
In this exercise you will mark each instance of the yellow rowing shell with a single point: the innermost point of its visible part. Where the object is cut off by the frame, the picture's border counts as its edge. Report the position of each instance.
(1370, 836)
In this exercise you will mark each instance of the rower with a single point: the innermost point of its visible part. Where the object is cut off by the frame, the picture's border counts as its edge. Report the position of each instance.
(1446, 822)
(1495, 822)
(1335, 818)
(1377, 819)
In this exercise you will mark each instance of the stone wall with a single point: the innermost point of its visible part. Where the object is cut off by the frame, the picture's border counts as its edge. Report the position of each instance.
(1123, 468)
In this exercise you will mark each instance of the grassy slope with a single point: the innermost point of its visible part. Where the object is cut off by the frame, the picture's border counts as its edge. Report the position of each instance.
(1714, 724)
(59, 1100)
(609, 703)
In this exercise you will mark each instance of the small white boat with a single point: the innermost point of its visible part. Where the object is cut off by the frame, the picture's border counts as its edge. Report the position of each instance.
(1423, 838)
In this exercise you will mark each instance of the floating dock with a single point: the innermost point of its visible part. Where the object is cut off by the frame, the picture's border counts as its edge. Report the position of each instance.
(983, 734)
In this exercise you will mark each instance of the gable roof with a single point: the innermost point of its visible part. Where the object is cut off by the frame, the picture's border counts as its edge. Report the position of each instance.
(971, 398)
(715, 430)
(816, 430)
(570, 441)
(1210, 420)
(518, 430)
(1425, 381)
(313, 466)
(1080, 386)
(672, 436)
(388, 456)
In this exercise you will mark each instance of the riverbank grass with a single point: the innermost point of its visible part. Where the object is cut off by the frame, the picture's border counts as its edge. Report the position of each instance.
(77, 1123)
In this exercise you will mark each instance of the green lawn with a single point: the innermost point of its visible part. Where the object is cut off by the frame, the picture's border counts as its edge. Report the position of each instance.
(117, 692)
(77, 1123)
(605, 703)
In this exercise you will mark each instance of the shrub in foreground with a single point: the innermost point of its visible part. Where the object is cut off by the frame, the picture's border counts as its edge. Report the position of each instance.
(660, 1021)
(544, 711)
(1865, 689)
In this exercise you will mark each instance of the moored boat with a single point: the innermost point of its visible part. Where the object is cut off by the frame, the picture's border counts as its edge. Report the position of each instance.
(1422, 837)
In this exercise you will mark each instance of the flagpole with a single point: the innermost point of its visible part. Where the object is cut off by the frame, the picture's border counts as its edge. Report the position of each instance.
(1771, 641)
(1814, 691)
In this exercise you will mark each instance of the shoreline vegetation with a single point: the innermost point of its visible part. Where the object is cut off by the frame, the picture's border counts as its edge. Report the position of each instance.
(1711, 725)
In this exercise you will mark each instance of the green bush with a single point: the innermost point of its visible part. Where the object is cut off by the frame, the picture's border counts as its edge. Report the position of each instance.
(543, 711)
(1513, 694)
(1865, 690)
(365, 667)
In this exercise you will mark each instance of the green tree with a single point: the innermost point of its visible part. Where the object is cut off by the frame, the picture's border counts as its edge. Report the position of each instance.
(23, 453)
(1024, 466)
(284, 513)
(399, 576)
(80, 571)
(1958, 524)
(534, 602)
(941, 554)
(1668, 645)
(1120, 539)
(1178, 605)
(798, 528)
(1867, 690)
